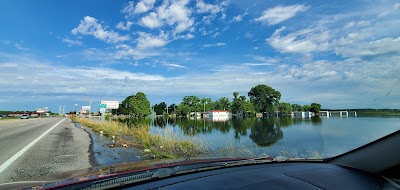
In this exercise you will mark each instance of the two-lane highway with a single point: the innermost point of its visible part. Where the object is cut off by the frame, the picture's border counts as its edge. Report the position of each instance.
(41, 146)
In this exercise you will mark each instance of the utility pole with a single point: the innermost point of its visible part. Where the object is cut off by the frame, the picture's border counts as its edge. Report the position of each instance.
(90, 108)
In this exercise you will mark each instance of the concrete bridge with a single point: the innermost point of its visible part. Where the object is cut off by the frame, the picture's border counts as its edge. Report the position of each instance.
(340, 113)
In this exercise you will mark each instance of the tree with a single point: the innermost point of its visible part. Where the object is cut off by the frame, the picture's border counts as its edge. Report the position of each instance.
(285, 108)
(306, 108)
(315, 107)
(137, 105)
(172, 108)
(193, 102)
(182, 109)
(248, 107)
(160, 108)
(222, 104)
(206, 104)
(238, 104)
(296, 107)
(121, 110)
(263, 97)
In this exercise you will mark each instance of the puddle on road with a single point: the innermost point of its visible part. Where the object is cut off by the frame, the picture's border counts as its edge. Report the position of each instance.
(103, 154)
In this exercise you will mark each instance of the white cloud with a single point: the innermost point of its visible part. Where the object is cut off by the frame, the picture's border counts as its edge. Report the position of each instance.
(248, 35)
(177, 14)
(173, 13)
(375, 48)
(397, 6)
(211, 10)
(128, 52)
(186, 36)
(237, 18)
(302, 41)
(203, 7)
(223, 16)
(358, 78)
(20, 47)
(146, 41)
(257, 64)
(90, 26)
(174, 65)
(123, 26)
(279, 14)
(129, 9)
(72, 42)
(216, 34)
(151, 21)
(144, 6)
(213, 45)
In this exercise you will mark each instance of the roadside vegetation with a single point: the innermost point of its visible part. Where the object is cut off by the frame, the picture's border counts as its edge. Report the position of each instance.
(164, 144)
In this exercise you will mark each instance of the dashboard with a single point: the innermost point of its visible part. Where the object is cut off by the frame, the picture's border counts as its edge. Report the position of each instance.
(274, 176)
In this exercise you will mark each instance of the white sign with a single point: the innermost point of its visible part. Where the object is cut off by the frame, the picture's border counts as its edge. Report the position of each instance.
(87, 108)
(102, 110)
(42, 110)
(111, 104)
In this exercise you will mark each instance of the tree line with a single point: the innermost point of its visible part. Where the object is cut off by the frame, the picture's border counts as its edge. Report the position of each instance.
(261, 98)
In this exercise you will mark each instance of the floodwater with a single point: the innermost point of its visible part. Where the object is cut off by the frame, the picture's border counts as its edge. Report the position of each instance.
(105, 151)
(293, 137)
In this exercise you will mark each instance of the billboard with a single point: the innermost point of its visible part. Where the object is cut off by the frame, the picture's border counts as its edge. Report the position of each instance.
(110, 104)
(87, 108)
(42, 110)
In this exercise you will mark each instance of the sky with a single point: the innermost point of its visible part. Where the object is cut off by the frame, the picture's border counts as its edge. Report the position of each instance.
(341, 54)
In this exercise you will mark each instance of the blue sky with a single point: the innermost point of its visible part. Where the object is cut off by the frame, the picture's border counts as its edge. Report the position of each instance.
(342, 54)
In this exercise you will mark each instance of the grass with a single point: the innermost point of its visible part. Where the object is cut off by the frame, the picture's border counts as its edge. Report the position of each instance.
(164, 144)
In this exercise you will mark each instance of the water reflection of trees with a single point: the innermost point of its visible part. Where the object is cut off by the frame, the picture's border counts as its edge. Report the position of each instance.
(263, 131)
(134, 121)
(199, 126)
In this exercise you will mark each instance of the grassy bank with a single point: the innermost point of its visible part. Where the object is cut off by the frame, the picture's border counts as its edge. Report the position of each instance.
(164, 144)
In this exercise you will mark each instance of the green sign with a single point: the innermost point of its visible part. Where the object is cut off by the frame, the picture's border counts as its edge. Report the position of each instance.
(102, 105)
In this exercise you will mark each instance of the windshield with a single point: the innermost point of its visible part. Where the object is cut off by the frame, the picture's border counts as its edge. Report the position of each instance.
(97, 83)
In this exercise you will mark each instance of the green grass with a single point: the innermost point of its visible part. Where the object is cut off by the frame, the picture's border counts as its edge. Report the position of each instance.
(164, 144)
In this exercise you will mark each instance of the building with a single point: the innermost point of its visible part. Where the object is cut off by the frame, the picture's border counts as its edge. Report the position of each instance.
(303, 114)
(218, 113)
(19, 114)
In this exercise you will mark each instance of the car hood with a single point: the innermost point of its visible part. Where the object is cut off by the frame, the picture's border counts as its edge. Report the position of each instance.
(99, 172)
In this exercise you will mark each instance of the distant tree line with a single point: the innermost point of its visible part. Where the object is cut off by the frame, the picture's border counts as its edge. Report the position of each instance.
(261, 98)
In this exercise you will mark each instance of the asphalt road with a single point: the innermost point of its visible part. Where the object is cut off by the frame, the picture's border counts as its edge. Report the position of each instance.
(23, 155)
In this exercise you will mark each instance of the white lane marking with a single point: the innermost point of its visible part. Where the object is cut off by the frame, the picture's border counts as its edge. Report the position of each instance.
(22, 151)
